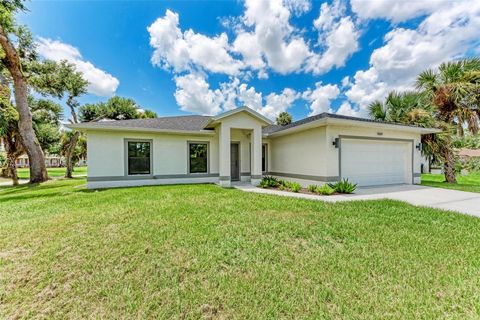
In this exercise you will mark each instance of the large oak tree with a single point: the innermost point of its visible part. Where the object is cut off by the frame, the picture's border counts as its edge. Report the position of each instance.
(12, 57)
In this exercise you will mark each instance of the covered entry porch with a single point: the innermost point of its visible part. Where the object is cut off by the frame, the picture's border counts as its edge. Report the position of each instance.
(240, 146)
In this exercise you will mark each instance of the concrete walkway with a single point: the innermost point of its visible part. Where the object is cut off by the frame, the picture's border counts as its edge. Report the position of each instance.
(9, 182)
(459, 201)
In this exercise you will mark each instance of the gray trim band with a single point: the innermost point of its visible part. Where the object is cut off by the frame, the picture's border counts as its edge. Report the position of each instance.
(150, 177)
(224, 178)
(305, 177)
(245, 174)
(256, 177)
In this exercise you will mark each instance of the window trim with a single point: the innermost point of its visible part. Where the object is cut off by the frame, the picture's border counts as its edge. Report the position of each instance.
(125, 162)
(189, 142)
(266, 157)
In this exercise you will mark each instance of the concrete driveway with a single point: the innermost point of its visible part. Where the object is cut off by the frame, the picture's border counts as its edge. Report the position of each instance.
(459, 201)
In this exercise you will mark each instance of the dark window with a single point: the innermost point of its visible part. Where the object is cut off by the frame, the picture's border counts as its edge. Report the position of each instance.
(198, 157)
(138, 157)
(264, 158)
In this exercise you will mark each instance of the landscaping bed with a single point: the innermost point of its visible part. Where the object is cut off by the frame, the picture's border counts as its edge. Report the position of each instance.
(340, 187)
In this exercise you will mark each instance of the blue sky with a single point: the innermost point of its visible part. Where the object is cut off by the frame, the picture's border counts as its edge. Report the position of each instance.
(301, 56)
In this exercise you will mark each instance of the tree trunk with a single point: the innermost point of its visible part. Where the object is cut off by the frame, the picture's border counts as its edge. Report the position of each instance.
(14, 149)
(38, 170)
(69, 154)
(449, 166)
(12, 168)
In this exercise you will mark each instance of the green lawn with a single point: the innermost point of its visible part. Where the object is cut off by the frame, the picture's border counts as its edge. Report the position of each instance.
(202, 251)
(469, 182)
(24, 173)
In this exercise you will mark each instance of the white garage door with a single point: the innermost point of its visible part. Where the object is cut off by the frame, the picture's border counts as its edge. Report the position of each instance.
(376, 162)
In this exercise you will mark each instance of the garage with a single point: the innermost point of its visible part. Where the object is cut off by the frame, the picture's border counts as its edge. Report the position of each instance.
(373, 162)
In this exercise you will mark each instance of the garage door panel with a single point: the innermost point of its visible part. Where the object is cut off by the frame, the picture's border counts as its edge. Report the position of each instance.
(376, 162)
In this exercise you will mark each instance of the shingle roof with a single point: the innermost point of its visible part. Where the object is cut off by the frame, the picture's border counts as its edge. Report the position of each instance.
(198, 123)
(277, 128)
(182, 123)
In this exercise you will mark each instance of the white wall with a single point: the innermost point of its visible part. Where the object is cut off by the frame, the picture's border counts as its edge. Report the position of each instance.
(312, 153)
(299, 153)
(170, 152)
(335, 131)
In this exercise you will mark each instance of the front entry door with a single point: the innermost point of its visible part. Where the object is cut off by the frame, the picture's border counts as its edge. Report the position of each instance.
(234, 162)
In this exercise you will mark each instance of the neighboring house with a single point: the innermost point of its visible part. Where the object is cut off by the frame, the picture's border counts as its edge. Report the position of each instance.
(467, 154)
(242, 145)
(51, 161)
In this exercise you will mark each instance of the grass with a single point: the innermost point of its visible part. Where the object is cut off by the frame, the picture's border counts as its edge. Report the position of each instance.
(470, 183)
(202, 251)
(24, 173)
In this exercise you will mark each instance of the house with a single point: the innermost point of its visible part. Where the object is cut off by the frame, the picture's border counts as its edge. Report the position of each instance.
(243, 145)
(466, 154)
(51, 161)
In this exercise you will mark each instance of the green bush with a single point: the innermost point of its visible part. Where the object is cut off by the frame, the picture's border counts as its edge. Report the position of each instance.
(472, 165)
(325, 190)
(284, 183)
(269, 181)
(263, 184)
(312, 188)
(295, 186)
(343, 186)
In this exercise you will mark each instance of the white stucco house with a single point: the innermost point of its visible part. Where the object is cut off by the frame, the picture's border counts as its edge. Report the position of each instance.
(243, 145)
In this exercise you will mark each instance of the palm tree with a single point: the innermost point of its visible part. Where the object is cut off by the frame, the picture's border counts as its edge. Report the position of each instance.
(454, 89)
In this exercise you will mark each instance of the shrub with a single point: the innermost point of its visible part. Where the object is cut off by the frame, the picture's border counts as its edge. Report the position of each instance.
(312, 188)
(343, 186)
(285, 184)
(473, 165)
(263, 184)
(269, 181)
(295, 186)
(325, 190)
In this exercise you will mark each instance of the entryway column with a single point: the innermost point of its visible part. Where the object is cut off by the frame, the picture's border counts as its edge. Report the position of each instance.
(224, 155)
(256, 169)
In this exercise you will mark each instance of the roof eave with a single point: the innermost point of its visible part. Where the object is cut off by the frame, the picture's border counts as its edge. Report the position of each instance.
(336, 121)
(252, 112)
(87, 128)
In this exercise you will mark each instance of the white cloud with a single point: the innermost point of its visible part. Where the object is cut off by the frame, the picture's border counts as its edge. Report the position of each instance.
(247, 45)
(448, 33)
(298, 7)
(395, 10)
(193, 94)
(321, 97)
(277, 103)
(338, 36)
(189, 50)
(265, 40)
(283, 49)
(346, 109)
(101, 83)
(366, 88)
